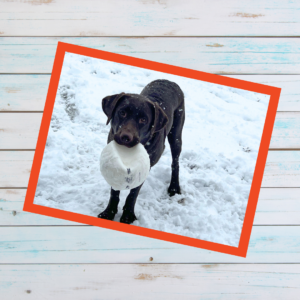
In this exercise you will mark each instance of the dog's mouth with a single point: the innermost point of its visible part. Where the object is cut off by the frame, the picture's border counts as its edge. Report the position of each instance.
(126, 140)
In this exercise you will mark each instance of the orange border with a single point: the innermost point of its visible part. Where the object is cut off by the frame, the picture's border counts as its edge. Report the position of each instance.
(274, 92)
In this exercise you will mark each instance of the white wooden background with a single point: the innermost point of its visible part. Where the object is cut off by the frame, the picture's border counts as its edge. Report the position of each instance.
(47, 258)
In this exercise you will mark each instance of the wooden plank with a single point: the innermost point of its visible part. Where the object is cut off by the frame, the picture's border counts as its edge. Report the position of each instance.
(149, 18)
(214, 55)
(289, 84)
(286, 132)
(89, 244)
(28, 92)
(276, 206)
(12, 214)
(23, 92)
(20, 130)
(15, 168)
(155, 281)
(282, 169)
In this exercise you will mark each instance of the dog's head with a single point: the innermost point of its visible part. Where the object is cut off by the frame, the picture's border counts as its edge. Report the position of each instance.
(134, 118)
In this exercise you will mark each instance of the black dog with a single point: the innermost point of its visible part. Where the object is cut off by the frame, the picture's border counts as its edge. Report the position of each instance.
(146, 118)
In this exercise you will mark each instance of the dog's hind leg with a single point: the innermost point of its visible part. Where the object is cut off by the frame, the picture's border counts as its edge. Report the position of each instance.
(112, 207)
(175, 141)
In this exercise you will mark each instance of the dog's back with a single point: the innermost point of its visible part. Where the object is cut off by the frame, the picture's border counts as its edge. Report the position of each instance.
(168, 95)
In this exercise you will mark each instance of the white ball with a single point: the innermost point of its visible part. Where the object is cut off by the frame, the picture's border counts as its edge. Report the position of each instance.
(124, 168)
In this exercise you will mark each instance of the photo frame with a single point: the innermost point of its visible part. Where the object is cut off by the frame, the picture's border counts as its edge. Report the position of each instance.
(273, 92)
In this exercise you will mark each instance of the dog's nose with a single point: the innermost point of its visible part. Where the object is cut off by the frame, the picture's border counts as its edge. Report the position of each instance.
(126, 138)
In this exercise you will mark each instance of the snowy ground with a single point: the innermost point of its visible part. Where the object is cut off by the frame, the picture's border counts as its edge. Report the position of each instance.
(221, 138)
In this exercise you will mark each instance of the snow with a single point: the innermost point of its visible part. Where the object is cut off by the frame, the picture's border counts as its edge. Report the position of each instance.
(221, 138)
(124, 168)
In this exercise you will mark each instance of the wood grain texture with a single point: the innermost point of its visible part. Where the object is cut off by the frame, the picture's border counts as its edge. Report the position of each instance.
(23, 92)
(89, 244)
(286, 132)
(215, 55)
(216, 24)
(289, 84)
(155, 281)
(276, 206)
(282, 169)
(149, 18)
(16, 166)
(20, 130)
(28, 92)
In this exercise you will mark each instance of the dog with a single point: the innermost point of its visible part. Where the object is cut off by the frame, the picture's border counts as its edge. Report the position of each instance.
(147, 118)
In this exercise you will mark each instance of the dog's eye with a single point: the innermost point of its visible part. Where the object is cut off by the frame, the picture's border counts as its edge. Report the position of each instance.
(143, 120)
(122, 113)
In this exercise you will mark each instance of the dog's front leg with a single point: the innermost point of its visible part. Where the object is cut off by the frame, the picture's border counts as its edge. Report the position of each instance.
(128, 215)
(112, 207)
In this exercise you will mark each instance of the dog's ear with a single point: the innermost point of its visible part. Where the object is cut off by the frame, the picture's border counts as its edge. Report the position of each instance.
(160, 119)
(109, 103)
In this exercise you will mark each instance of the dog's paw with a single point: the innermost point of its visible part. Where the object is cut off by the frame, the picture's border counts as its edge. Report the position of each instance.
(174, 190)
(128, 217)
(107, 215)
